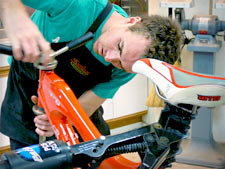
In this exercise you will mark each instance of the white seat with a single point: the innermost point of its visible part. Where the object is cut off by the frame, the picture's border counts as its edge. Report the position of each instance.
(181, 86)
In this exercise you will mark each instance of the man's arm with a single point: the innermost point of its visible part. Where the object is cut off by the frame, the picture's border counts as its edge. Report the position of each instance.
(90, 102)
(25, 37)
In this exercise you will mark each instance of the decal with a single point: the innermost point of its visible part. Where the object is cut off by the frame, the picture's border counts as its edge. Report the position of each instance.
(38, 153)
(209, 98)
(50, 146)
(57, 102)
(56, 40)
(31, 153)
(78, 67)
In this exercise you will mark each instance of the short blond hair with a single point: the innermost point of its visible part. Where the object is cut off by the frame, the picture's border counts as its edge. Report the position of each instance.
(165, 37)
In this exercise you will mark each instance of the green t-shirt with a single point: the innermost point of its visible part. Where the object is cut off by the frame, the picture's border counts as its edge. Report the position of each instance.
(66, 20)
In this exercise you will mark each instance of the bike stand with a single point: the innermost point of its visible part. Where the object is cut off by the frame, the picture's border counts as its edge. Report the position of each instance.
(203, 150)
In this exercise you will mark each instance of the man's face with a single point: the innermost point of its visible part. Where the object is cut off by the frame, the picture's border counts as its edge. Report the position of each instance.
(121, 47)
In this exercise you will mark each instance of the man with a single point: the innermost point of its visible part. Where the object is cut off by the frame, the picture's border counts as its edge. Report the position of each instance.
(118, 42)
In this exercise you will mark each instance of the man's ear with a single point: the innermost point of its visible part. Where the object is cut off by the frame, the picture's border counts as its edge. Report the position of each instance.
(134, 20)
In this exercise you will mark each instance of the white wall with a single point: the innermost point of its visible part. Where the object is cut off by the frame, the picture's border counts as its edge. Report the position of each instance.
(129, 99)
(201, 7)
(3, 62)
(3, 139)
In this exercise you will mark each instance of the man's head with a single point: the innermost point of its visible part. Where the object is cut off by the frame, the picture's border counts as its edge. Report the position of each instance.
(129, 39)
(165, 35)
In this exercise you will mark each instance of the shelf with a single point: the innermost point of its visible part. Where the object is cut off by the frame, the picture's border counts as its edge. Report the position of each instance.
(220, 4)
(177, 3)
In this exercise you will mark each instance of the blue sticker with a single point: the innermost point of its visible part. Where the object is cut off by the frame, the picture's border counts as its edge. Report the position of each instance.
(31, 153)
(39, 152)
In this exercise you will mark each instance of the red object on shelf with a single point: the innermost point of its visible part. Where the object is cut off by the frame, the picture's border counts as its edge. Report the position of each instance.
(117, 2)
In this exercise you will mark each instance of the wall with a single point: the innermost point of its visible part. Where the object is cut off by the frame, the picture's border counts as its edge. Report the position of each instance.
(129, 99)
(3, 80)
(200, 7)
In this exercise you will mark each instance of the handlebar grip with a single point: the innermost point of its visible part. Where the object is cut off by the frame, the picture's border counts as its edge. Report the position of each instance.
(4, 49)
(4, 165)
(49, 155)
(80, 41)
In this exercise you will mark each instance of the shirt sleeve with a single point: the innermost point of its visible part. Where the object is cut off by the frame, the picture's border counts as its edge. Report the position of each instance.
(53, 7)
(108, 89)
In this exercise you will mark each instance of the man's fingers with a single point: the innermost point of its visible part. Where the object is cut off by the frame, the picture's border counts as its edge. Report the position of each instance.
(44, 127)
(29, 44)
(44, 133)
(31, 50)
(17, 51)
(42, 119)
(45, 49)
(34, 99)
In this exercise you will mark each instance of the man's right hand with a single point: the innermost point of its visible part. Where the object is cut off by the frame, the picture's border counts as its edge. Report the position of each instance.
(26, 39)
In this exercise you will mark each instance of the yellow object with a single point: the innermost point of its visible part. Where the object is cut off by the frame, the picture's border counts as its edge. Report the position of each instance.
(153, 99)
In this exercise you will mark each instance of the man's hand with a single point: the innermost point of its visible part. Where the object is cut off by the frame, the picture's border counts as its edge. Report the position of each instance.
(26, 39)
(42, 123)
